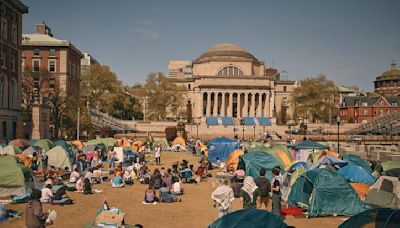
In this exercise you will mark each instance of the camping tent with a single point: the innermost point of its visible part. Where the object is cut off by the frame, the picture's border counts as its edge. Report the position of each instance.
(299, 164)
(330, 153)
(233, 158)
(325, 192)
(279, 151)
(11, 150)
(179, 140)
(107, 142)
(20, 143)
(289, 178)
(305, 148)
(328, 160)
(221, 148)
(355, 173)
(27, 161)
(248, 218)
(385, 166)
(45, 144)
(357, 160)
(65, 146)
(78, 144)
(30, 150)
(59, 158)
(254, 161)
(377, 217)
(15, 178)
(389, 184)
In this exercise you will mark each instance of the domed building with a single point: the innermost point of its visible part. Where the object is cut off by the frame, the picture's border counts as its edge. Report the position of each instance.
(228, 81)
(388, 83)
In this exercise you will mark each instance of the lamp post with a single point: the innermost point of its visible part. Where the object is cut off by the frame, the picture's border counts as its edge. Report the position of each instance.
(234, 131)
(197, 131)
(243, 131)
(78, 123)
(254, 133)
(338, 124)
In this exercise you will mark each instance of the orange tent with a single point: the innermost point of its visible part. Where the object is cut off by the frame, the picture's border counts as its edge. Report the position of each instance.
(361, 189)
(25, 159)
(233, 159)
(123, 142)
(78, 144)
(330, 153)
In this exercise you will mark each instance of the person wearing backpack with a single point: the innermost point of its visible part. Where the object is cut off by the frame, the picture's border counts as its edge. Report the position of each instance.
(264, 187)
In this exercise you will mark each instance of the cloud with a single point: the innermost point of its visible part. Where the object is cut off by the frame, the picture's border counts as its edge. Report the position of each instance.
(147, 33)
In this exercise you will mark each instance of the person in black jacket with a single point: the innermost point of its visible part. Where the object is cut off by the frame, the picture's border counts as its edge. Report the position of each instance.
(264, 186)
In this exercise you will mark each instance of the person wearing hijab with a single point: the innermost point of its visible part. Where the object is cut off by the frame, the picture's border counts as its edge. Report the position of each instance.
(34, 216)
(249, 193)
(223, 198)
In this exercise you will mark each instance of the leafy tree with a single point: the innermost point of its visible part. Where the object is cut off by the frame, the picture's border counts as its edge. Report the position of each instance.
(314, 99)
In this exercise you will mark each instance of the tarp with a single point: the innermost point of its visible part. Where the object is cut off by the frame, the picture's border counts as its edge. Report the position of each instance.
(355, 173)
(328, 160)
(180, 141)
(361, 189)
(59, 158)
(45, 144)
(107, 142)
(357, 160)
(377, 217)
(325, 193)
(11, 150)
(248, 218)
(233, 159)
(255, 160)
(78, 144)
(65, 146)
(310, 145)
(221, 148)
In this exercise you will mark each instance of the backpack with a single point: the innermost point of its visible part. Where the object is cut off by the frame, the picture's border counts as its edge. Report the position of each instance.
(264, 186)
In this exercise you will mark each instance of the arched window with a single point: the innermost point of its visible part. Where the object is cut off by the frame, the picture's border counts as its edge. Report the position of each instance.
(11, 94)
(2, 91)
(230, 70)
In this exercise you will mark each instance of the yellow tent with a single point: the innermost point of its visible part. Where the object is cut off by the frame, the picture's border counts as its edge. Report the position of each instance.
(179, 140)
(233, 159)
(285, 159)
(78, 144)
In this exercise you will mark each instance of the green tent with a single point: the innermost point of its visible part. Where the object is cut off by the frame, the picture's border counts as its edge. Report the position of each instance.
(324, 192)
(253, 161)
(59, 158)
(108, 142)
(65, 146)
(248, 218)
(385, 166)
(357, 160)
(308, 144)
(278, 151)
(13, 177)
(11, 150)
(378, 217)
(45, 144)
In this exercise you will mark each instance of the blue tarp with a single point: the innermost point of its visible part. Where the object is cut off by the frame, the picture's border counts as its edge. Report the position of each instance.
(329, 160)
(356, 160)
(211, 120)
(310, 145)
(249, 121)
(227, 121)
(355, 173)
(221, 148)
(264, 121)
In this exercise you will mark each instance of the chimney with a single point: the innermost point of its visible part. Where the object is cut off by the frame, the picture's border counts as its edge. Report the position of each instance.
(43, 29)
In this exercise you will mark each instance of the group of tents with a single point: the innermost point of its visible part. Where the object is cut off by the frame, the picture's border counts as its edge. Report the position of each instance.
(315, 178)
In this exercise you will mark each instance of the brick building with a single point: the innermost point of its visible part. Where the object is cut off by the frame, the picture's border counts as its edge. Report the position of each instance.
(11, 12)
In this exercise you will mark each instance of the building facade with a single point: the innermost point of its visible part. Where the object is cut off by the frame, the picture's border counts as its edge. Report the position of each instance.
(86, 62)
(59, 59)
(11, 12)
(388, 83)
(228, 81)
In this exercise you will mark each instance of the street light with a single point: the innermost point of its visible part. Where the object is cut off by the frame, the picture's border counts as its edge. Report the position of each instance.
(234, 131)
(254, 132)
(338, 124)
(197, 131)
(242, 122)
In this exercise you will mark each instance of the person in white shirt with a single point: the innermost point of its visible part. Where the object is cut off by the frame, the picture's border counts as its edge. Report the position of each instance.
(157, 154)
(47, 194)
(177, 188)
(89, 175)
(79, 184)
(73, 177)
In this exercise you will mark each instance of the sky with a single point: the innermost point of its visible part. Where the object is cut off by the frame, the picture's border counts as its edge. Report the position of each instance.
(350, 41)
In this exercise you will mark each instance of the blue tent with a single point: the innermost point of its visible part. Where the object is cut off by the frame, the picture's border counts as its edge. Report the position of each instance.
(356, 160)
(355, 173)
(221, 148)
(329, 160)
(310, 145)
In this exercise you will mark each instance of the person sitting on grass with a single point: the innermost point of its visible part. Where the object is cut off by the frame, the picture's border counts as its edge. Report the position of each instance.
(89, 175)
(167, 178)
(97, 175)
(155, 179)
(61, 197)
(87, 187)
(177, 188)
(150, 195)
(166, 196)
(74, 176)
(127, 178)
(79, 184)
(117, 181)
(47, 194)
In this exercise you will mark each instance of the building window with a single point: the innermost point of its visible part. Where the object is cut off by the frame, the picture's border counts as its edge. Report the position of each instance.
(2, 91)
(284, 89)
(230, 70)
(52, 66)
(14, 34)
(365, 112)
(3, 58)
(36, 51)
(13, 63)
(11, 95)
(189, 86)
(52, 52)
(36, 65)
(3, 30)
(4, 129)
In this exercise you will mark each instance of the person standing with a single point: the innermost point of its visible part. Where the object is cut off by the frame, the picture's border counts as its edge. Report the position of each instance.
(157, 154)
(34, 216)
(223, 198)
(249, 193)
(276, 192)
(264, 186)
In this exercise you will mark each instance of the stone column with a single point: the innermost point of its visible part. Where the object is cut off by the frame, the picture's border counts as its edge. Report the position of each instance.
(223, 105)
(272, 104)
(208, 109)
(200, 105)
(252, 105)
(259, 106)
(238, 110)
(230, 105)
(245, 109)
(266, 105)
(215, 111)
